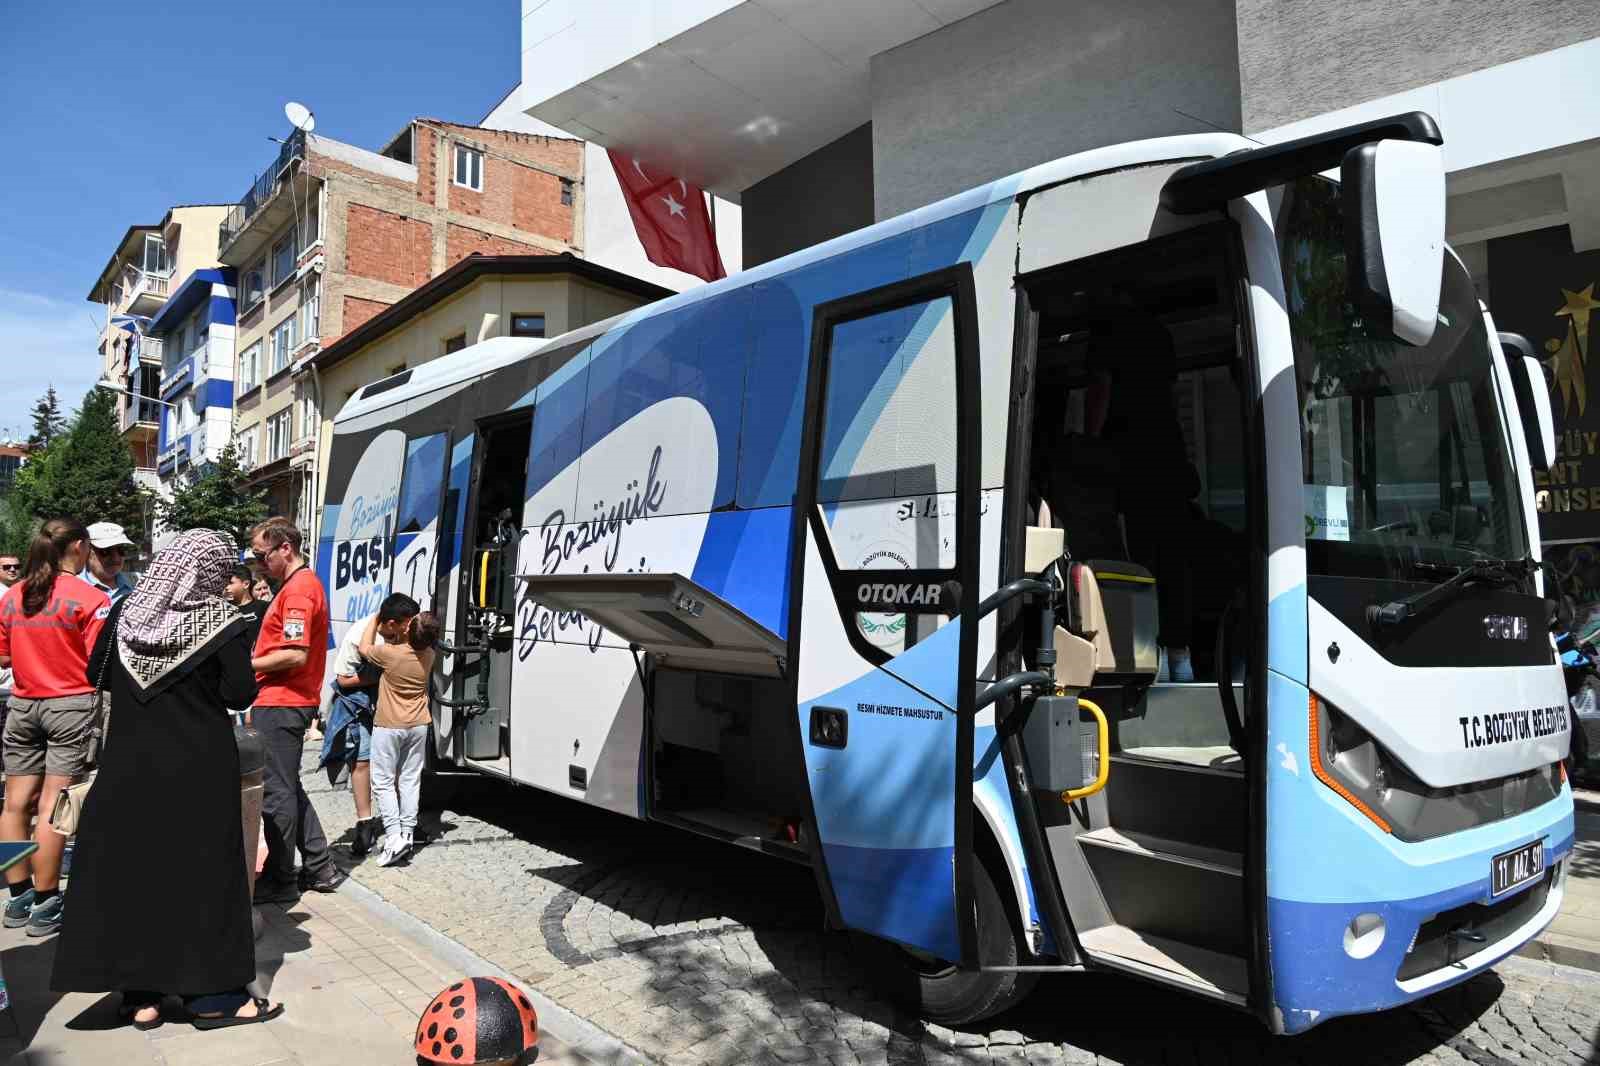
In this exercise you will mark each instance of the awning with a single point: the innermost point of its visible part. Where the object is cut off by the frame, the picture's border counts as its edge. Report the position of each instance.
(197, 287)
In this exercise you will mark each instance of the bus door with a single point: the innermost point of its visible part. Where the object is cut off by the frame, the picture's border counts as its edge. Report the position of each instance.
(488, 585)
(884, 580)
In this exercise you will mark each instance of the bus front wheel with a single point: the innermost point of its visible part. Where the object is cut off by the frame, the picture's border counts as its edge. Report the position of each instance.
(940, 992)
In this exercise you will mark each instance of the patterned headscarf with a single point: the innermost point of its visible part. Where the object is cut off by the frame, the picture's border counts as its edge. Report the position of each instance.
(178, 607)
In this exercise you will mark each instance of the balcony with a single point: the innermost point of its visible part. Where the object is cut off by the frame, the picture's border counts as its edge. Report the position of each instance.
(262, 202)
(150, 350)
(141, 418)
(145, 293)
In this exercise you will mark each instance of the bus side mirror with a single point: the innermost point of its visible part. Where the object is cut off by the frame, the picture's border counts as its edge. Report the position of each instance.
(1533, 399)
(1394, 236)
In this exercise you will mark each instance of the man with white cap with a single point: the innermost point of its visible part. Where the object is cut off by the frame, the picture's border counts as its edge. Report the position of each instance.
(104, 571)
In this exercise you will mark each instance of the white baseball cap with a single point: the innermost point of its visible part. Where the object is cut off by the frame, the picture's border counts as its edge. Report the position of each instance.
(108, 535)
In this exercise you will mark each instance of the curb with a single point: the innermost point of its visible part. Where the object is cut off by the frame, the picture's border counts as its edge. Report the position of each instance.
(1561, 954)
(579, 1034)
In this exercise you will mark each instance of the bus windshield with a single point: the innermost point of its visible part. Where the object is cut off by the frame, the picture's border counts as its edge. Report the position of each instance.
(1404, 452)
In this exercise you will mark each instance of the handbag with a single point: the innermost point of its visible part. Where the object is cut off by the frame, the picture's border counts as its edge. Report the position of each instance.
(68, 808)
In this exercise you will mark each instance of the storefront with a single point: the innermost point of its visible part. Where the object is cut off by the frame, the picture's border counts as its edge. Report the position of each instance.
(1544, 290)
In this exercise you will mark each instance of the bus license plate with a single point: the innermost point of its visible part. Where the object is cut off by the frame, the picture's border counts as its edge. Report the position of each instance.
(1513, 869)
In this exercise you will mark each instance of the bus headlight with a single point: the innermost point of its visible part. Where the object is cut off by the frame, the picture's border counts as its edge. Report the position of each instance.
(1344, 755)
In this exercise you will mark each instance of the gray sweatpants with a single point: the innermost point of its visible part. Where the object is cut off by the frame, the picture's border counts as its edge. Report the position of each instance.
(397, 756)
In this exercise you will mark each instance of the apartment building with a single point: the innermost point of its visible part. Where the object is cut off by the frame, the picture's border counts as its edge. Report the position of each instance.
(134, 286)
(331, 234)
(194, 333)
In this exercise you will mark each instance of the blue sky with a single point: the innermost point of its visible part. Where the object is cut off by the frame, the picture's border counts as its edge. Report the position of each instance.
(113, 112)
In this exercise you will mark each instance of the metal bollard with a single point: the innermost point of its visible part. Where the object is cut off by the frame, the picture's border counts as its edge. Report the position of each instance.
(252, 773)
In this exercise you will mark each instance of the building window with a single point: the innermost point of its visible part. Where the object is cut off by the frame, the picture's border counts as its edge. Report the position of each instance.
(566, 192)
(312, 231)
(253, 286)
(311, 308)
(244, 446)
(155, 255)
(453, 344)
(116, 295)
(249, 375)
(308, 413)
(282, 345)
(283, 259)
(527, 325)
(469, 167)
(278, 430)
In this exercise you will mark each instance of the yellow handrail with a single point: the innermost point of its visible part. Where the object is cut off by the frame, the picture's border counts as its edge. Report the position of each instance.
(483, 580)
(1105, 755)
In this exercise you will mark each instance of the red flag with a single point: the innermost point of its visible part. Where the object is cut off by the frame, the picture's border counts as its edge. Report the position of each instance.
(671, 218)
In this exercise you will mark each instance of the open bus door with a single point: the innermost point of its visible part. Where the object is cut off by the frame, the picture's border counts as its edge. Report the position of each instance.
(882, 611)
(880, 658)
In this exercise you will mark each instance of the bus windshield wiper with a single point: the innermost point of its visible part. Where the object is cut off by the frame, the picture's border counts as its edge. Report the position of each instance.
(1479, 571)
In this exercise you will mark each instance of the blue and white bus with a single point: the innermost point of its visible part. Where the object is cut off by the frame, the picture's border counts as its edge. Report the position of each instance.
(1130, 564)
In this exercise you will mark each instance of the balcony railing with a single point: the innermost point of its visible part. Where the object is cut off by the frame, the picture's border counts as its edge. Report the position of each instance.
(261, 190)
(142, 284)
(140, 412)
(150, 349)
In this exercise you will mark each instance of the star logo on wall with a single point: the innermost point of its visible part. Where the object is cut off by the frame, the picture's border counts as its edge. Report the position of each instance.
(1570, 355)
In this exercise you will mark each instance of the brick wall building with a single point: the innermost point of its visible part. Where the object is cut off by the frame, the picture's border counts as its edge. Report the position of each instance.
(331, 234)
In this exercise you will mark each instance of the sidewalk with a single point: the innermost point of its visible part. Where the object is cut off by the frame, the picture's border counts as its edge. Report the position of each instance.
(352, 980)
(1573, 939)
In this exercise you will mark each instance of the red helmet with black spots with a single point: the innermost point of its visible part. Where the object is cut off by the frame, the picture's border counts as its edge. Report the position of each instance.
(476, 1022)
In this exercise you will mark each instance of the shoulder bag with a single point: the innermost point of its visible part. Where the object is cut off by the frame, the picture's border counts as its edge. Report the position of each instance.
(68, 807)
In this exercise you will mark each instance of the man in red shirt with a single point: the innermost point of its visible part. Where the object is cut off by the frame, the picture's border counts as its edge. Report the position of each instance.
(290, 654)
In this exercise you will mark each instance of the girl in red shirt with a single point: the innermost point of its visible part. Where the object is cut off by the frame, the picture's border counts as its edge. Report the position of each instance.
(49, 622)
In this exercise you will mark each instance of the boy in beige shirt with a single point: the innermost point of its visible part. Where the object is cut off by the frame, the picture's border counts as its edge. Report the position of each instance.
(400, 728)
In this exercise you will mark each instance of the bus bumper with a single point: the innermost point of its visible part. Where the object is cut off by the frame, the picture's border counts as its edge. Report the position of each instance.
(1334, 958)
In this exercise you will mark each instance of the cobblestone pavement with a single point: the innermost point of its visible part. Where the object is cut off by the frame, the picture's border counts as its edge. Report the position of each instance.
(692, 951)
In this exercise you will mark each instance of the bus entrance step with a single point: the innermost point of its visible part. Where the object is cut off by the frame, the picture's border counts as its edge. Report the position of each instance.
(1208, 972)
(1185, 892)
(1177, 851)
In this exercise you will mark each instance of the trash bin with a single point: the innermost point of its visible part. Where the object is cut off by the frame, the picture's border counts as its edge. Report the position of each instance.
(252, 773)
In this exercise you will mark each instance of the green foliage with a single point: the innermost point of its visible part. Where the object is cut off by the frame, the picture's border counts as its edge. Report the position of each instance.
(217, 500)
(48, 422)
(85, 473)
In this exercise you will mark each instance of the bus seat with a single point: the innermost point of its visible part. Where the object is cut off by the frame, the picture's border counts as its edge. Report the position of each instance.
(1084, 648)
(1112, 604)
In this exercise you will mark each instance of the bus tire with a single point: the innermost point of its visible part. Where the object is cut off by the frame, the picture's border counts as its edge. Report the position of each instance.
(942, 993)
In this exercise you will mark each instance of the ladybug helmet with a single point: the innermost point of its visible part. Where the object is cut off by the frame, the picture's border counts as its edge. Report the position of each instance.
(475, 1022)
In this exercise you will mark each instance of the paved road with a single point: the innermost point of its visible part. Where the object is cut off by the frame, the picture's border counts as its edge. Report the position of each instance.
(697, 952)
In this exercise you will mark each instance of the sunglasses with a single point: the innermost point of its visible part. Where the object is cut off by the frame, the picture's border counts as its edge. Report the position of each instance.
(261, 556)
(10, 566)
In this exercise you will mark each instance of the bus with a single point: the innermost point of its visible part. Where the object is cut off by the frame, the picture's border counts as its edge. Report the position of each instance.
(1127, 565)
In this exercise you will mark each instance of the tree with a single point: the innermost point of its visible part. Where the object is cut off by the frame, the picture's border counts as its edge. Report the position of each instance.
(218, 500)
(87, 472)
(48, 422)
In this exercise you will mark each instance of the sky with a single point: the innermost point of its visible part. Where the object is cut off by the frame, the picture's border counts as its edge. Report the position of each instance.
(115, 111)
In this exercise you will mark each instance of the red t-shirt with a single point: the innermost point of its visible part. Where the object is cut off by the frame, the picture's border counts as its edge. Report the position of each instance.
(50, 650)
(297, 617)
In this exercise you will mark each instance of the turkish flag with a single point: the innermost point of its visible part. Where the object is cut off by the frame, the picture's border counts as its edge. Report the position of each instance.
(671, 218)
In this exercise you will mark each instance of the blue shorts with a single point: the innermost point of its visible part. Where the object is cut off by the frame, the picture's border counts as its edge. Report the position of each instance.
(364, 745)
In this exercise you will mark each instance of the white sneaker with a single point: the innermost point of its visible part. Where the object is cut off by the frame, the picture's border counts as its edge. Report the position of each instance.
(394, 853)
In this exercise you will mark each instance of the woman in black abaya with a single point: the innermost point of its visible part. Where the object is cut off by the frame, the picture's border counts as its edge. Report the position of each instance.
(158, 904)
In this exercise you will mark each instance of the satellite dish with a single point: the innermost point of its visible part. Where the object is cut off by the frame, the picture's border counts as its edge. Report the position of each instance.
(300, 116)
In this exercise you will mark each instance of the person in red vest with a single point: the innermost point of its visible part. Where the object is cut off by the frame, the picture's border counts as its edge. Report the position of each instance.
(290, 655)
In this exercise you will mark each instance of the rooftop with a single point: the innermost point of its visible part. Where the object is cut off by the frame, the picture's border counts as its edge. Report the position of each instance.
(465, 273)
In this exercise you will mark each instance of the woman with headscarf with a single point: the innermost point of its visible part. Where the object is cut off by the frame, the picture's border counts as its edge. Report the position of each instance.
(159, 896)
